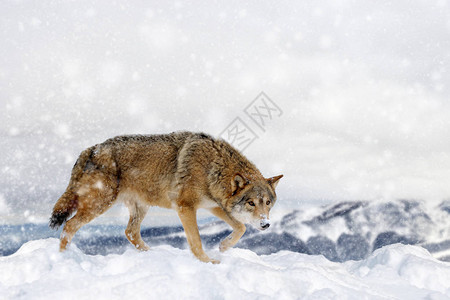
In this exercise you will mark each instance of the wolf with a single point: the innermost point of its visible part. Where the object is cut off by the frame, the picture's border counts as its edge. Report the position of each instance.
(184, 171)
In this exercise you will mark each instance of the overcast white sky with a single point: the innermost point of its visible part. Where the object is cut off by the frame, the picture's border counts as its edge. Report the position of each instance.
(363, 86)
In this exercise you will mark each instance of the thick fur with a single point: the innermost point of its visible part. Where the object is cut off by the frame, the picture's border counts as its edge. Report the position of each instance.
(184, 171)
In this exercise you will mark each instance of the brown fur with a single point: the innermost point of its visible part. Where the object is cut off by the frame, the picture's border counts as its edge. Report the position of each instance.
(184, 171)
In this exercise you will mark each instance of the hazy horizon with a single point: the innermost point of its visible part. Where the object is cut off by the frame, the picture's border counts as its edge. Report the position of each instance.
(363, 90)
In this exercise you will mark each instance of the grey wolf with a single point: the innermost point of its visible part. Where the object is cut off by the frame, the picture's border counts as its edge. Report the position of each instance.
(183, 171)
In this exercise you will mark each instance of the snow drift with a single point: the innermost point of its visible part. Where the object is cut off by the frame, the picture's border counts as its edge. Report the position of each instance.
(39, 271)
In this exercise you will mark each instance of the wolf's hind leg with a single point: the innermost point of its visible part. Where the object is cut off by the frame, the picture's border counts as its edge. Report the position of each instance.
(76, 222)
(133, 231)
(95, 196)
(238, 229)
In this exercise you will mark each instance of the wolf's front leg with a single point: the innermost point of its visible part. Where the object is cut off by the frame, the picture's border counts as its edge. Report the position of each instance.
(188, 217)
(238, 229)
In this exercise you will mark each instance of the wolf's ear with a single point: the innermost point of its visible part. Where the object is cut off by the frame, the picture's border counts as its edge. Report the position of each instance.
(237, 183)
(273, 181)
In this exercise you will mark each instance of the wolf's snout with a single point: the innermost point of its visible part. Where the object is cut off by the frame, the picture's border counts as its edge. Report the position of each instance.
(265, 226)
(264, 223)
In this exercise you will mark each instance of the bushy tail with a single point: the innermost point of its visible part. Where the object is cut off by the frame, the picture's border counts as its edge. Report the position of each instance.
(68, 202)
(62, 210)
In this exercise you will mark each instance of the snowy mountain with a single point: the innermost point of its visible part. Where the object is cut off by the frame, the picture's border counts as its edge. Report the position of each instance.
(340, 232)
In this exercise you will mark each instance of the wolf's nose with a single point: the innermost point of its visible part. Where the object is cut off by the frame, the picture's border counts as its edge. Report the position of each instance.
(265, 226)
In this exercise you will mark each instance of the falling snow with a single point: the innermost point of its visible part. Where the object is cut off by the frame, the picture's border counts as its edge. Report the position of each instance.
(363, 88)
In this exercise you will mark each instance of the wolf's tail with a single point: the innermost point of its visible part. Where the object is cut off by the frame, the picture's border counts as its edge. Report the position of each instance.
(68, 202)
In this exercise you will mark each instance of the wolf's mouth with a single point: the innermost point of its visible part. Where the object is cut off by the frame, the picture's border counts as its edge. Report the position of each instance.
(262, 226)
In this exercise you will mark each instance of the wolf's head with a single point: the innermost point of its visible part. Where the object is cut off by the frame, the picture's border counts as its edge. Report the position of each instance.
(253, 199)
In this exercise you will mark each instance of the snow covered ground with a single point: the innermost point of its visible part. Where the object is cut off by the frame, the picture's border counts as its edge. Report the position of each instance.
(39, 271)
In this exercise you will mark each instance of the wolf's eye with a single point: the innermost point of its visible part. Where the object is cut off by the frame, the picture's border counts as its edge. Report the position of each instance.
(268, 202)
(251, 203)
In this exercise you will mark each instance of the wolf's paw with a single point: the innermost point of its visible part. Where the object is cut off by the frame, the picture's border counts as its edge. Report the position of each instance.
(206, 259)
(214, 261)
(224, 246)
(143, 247)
